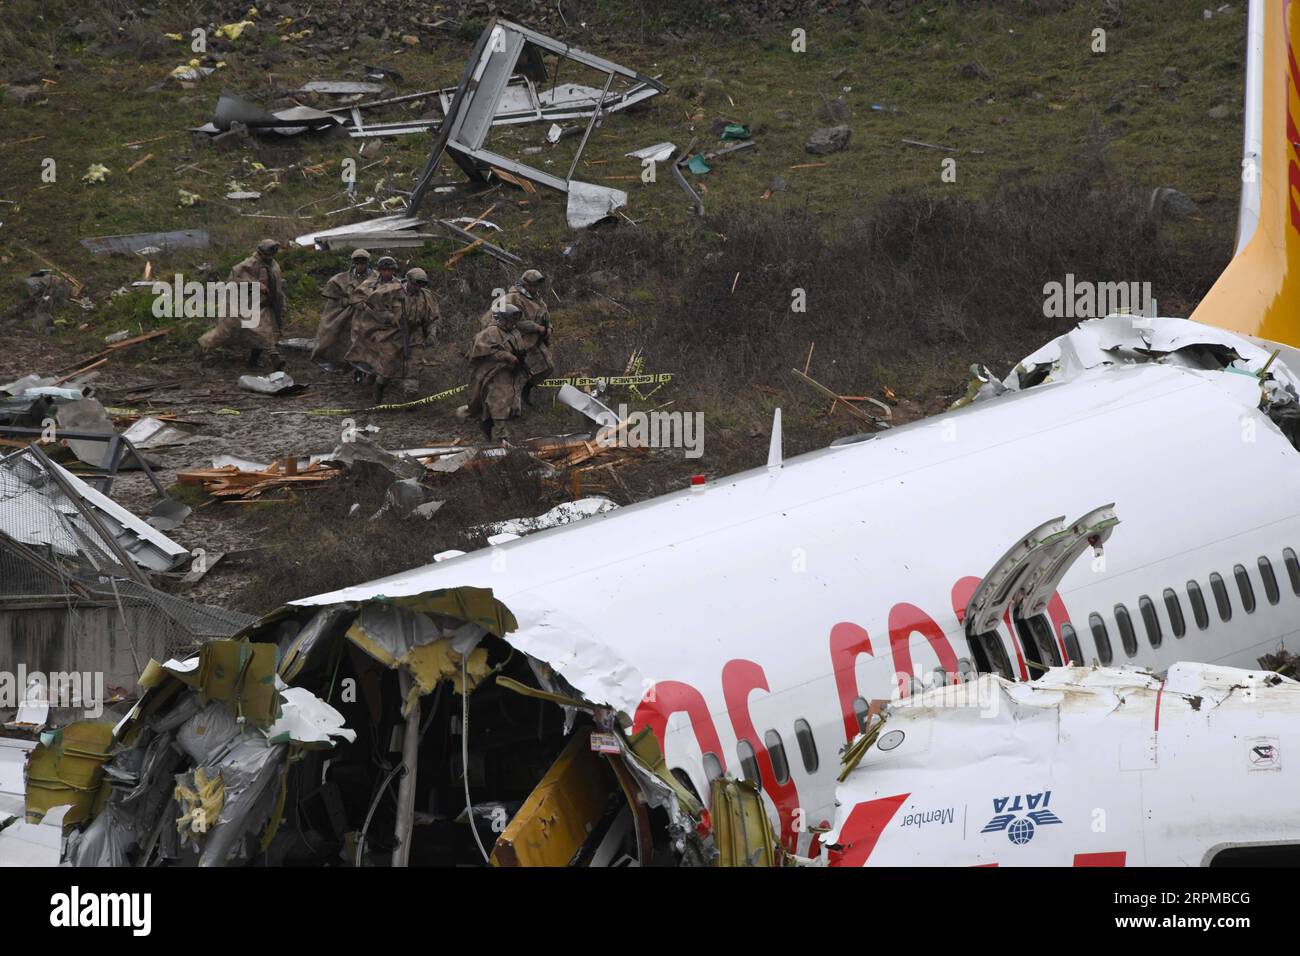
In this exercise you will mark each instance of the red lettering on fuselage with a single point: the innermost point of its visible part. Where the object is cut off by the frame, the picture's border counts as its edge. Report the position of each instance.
(906, 619)
(847, 642)
(739, 679)
(668, 697)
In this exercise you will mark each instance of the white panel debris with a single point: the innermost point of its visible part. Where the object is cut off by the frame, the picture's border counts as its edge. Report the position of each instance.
(565, 513)
(589, 203)
(306, 719)
(658, 153)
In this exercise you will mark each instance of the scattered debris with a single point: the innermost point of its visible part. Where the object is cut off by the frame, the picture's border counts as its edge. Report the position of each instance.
(1171, 203)
(471, 111)
(340, 87)
(206, 751)
(45, 504)
(658, 153)
(149, 432)
(191, 72)
(97, 173)
(589, 203)
(177, 239)
(117, 347)
(917, 142)
(232, 482)
(233, 110)
(846, 402)
(391, 232)
(697, 204)
(830, 139)
(565, 513)
(277, 383)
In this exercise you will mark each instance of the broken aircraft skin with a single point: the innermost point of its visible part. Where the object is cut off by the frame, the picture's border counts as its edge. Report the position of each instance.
(1099, 766)
(656, 610)
(286, 746)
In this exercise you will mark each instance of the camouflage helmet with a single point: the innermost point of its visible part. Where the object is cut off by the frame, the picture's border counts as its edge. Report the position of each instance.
(386, 262)
(268, 245)
(360, 254)
(417, 275)
(532, 277)
(507, 313)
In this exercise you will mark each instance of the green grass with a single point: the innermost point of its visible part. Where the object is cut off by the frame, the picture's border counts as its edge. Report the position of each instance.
(1040, 113)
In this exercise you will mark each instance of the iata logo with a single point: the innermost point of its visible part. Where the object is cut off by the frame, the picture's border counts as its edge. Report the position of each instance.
(1020, 829)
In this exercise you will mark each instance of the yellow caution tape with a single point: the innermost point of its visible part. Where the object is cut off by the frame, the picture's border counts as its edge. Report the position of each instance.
(575, 380)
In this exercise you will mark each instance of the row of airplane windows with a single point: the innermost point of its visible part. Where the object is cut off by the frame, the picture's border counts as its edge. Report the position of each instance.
(776, 752)
(1174, 609)
(1101, 639)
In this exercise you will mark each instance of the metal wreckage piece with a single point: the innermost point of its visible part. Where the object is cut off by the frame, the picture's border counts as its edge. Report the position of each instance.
(288, 743)
(503, 83)
(470, 114)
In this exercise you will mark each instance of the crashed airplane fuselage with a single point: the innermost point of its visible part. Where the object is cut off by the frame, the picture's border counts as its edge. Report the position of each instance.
(748, 622)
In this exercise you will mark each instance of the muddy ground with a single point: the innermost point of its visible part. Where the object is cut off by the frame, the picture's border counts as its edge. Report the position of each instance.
(909, 278)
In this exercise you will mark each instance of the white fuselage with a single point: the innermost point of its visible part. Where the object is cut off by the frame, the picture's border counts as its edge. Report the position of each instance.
(787, 594)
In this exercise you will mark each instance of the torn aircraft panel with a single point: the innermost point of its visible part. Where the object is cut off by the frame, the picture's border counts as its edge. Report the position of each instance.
(504, 762)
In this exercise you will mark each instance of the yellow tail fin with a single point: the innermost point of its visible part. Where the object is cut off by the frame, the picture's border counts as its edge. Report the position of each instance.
(1258, 294)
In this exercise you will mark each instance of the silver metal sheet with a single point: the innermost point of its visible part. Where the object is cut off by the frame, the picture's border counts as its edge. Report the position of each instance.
(33, 510)
(176, 239)
(491, 75)
(340, 87)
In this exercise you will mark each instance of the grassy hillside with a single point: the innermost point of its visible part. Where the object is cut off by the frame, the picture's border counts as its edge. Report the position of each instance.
(908, 278)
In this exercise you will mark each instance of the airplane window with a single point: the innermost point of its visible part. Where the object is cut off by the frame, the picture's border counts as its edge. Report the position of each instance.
(1175, 609)
(1100, 637)
(1127, 636)
(1270, 580)
(748, 762)
(685, 780)
(712, 767)
(1199, 610)
(1151, 620)
(1292, 569)
(861, 709)
(776, 751)
(1221, 597)
(1072, 645)
(1244, 586)
(807, 745)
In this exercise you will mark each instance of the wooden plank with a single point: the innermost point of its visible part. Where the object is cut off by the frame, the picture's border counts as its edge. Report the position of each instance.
(116, 347)
(60, 381)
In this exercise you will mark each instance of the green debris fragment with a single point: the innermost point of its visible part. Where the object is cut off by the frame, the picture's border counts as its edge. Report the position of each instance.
(698, 166)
